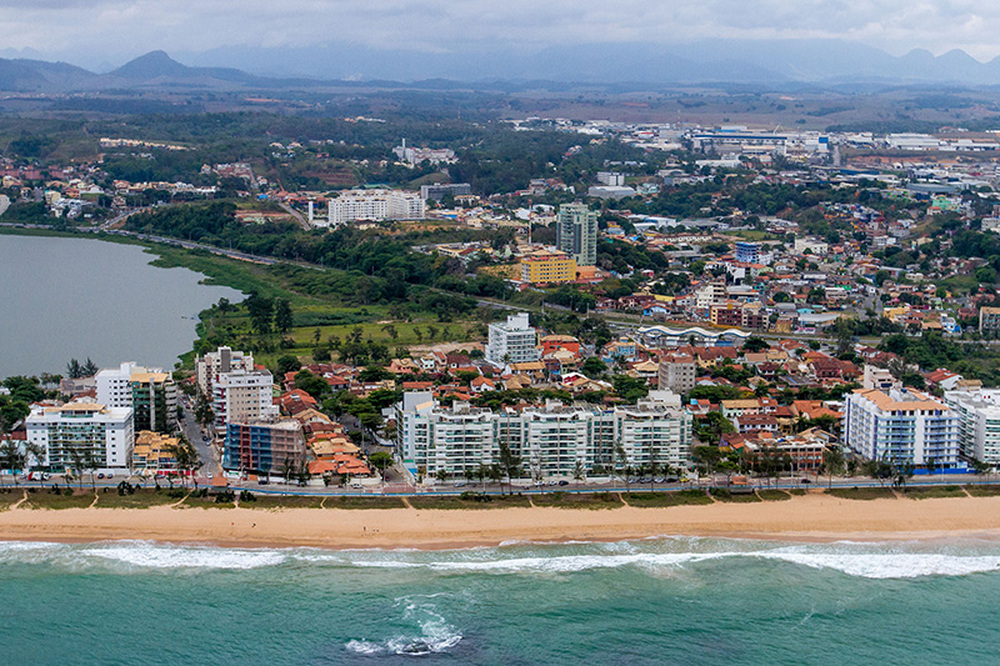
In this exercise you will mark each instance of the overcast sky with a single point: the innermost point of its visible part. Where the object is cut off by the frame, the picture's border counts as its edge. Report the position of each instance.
(95, 31)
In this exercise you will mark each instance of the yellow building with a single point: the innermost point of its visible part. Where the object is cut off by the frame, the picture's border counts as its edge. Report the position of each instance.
(154, 451)
(547, 267)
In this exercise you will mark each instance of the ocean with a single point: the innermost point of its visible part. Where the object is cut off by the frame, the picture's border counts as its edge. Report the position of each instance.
(653, 601)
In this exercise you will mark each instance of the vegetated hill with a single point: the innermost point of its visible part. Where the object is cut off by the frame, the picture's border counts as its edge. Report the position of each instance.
(157, 66)
(21, 75)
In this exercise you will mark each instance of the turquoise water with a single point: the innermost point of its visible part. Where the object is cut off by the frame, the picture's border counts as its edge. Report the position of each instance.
(656, 601)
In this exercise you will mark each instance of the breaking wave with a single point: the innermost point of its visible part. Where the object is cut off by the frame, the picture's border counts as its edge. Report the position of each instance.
(654, 556)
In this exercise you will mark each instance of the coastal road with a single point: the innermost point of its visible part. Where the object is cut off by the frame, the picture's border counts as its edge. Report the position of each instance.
(394, 488)
(210, 465)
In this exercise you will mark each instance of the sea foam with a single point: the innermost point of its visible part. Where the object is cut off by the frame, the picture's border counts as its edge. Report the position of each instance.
(656, 557)
(436, 634)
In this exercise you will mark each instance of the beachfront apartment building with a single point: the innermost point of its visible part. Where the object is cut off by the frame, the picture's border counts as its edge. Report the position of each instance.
(82, 433)
(512, 341)
(269, 447)
(224, 359)
(904, 427)
(979, 423)
(153, 453)
(150, 392)
(553, 440)
(375, 205)
(242, 396)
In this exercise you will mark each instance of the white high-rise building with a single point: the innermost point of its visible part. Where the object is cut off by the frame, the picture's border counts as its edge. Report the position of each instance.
(78, 431)
(374, 205)
(114, 386)
(512, 341)
(240, 396)
(979, 423)
(552, 440)
(150, 392)
(905, 427)
(224, 359)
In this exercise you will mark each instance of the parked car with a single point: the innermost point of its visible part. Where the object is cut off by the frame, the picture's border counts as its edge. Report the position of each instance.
(564, 482)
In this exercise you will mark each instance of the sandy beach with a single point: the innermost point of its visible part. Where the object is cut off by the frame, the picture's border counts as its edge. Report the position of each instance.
(813, 517)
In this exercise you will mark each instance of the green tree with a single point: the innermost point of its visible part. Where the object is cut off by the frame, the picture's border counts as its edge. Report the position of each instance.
(623, 466)
(510, 463)
(755, 344)
(390, 330)
(312, 384)
(631, 389)
(186, 455)
(288, 363)
(203, 412)
(712, 426)
(283, 317)
(593, 367)
(11, 458)
(833, 463)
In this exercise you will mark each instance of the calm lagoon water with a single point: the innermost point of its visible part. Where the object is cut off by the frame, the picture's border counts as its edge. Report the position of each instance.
(77, 297)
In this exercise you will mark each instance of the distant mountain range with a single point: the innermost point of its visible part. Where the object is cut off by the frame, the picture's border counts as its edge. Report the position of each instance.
(708, 61)
(768, 63)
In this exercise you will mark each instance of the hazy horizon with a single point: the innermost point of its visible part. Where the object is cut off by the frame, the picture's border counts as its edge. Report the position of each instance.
(101, 34)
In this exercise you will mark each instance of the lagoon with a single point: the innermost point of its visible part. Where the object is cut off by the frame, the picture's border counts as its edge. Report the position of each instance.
(79, 297)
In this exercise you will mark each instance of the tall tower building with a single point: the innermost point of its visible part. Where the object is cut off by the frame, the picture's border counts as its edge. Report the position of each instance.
(576, 233)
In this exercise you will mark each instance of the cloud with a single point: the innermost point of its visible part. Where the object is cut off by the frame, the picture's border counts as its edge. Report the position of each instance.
(119, 29)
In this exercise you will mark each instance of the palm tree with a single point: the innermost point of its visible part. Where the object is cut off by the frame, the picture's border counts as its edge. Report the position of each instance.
(496, 475)
(833, 463)
(622, 465)
(483, 473)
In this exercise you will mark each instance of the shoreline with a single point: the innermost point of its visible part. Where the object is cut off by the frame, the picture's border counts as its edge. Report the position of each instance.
(810, 518)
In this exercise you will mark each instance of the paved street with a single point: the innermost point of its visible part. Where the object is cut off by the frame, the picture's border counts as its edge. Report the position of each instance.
(206, 451)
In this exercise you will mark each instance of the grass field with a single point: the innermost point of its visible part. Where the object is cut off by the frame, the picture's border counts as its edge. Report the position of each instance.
(447, 503)
(861, 493)
(206, 503)
(679, 498)
(773, 495)
(364, 503)
(935, 492)
(726, 495)
(282, 502)
(46, 499)
(140, 499)
(563, 500)
(10, 496)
